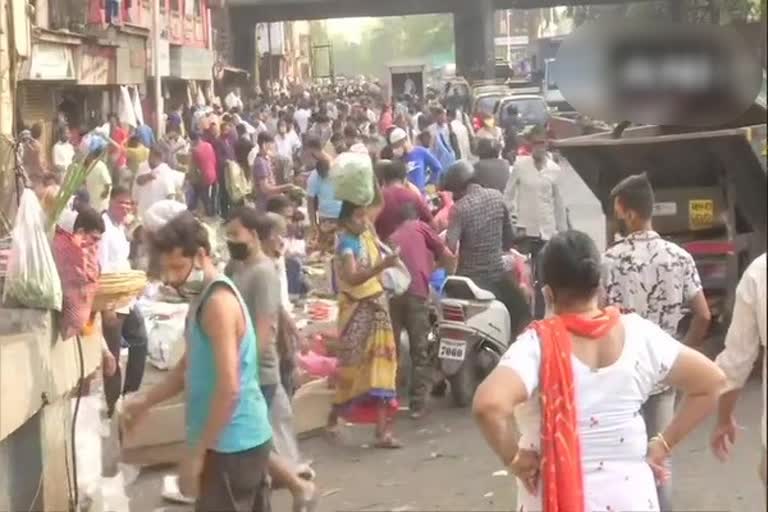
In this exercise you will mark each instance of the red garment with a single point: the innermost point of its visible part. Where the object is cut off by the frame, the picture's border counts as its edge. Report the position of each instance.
(443, 217)
(120, 136)
(95, 12)
(524, 150)
(419, 247)
(386, 121)
(204, 157)
(79, 271)
(390, 217)
(561, 471)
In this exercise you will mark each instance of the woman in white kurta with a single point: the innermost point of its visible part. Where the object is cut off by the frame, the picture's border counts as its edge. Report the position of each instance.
(610, 376)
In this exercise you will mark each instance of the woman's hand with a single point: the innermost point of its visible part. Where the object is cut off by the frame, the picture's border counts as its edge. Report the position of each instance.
(390, 260)
(526, 467)
(657, 459)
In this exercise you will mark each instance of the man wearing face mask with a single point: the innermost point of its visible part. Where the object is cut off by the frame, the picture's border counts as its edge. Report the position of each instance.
(533, 198)
(254, 275)
(227, 423)
(658, 280)
(422, 167)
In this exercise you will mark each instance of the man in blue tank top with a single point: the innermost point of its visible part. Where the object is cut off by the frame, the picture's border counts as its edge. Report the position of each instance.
(229, 436)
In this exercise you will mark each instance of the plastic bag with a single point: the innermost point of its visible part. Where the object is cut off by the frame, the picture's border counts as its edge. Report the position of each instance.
(79, 270)
(237, 182)
(32, 280)
(165, 324)
(352, 178)
(88, 447)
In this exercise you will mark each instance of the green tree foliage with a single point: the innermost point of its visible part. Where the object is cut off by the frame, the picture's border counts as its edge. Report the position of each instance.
(389, 39)
(693, 11)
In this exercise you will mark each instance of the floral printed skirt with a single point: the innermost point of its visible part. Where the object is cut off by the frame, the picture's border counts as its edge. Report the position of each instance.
(367, 360)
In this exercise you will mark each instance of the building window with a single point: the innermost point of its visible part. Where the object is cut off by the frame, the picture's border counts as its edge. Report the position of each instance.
(175, 5)
(196, 7)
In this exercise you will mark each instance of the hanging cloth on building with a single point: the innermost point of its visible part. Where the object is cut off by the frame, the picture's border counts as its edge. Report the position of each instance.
(136, 101)
(126, 111)
(95, 12)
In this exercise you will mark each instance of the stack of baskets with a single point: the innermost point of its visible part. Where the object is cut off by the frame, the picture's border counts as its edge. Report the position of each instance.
(118, 289)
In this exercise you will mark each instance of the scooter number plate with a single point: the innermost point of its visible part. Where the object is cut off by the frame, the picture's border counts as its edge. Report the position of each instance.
(454, 350)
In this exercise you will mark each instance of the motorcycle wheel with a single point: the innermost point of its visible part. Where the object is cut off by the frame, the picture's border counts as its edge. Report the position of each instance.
(464, 382)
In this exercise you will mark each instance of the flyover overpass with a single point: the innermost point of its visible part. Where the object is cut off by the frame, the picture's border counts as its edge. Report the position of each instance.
(473, 22)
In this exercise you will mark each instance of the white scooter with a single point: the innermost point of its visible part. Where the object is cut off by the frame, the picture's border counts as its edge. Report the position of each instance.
(474, 331)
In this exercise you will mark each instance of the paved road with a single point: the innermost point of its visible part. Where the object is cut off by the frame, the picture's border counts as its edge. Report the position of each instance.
(446, 466)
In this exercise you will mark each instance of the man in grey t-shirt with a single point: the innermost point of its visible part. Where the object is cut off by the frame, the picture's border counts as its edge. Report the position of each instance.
(257, 281)
(260, 287)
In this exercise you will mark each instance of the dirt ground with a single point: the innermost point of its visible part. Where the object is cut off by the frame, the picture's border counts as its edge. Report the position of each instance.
(446, 466)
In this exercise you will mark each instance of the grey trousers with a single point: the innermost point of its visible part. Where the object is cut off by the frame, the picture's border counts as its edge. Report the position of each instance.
(657, 412)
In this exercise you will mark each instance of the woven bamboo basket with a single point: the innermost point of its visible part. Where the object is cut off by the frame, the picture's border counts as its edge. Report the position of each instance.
(118, 289)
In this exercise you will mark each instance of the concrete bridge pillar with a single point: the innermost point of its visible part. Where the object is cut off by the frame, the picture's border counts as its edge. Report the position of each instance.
(473, 35)
(244, 42)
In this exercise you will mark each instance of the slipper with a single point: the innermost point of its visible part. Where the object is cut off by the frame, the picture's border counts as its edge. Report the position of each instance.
(171, 491)
(387, 443)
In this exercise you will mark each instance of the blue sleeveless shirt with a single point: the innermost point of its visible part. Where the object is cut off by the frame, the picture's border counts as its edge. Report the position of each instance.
(249, 425)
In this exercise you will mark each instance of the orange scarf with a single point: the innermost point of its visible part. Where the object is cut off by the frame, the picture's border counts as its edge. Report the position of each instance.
(563, 484)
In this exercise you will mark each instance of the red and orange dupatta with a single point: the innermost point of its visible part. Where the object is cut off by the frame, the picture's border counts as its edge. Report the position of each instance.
(563, 484)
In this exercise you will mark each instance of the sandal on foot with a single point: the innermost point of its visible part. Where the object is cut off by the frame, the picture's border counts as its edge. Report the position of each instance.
(387, 442)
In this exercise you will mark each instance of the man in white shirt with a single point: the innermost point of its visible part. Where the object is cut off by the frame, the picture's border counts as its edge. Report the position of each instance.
(155, 181)
(125, 323)
(532, 194)
(98, 183)
(301, 117)
(746, 336)
(63, 152)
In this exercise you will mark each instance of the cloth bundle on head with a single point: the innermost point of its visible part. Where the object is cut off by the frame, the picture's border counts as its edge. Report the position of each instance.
(160, 213)
(352, 178)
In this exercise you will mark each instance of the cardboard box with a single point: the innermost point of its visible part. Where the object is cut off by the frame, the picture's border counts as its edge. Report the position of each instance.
(311, 406)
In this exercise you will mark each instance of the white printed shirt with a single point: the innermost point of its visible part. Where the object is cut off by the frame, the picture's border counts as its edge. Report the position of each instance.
(747, 331)
(650, 276)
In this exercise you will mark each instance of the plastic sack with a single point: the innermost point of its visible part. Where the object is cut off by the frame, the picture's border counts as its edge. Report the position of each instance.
(79, 270)
(352, 178)
(396, 280)
(317, 365)
(160, 213)
(32, 280)
(165, 331)
(88, 447)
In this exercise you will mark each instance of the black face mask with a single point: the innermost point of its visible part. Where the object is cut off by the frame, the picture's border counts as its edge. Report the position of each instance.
(238, 250)
(621, 227)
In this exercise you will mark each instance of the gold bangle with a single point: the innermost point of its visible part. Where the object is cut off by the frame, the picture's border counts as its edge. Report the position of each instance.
(660, 437)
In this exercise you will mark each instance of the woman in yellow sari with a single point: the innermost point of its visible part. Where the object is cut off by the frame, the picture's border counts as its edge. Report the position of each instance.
(367, 359)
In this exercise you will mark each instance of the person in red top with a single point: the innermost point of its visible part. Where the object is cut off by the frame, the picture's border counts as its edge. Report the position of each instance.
(386, 120)
(396, 193)
(204, 160)
(119, 135)
(420, 250)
